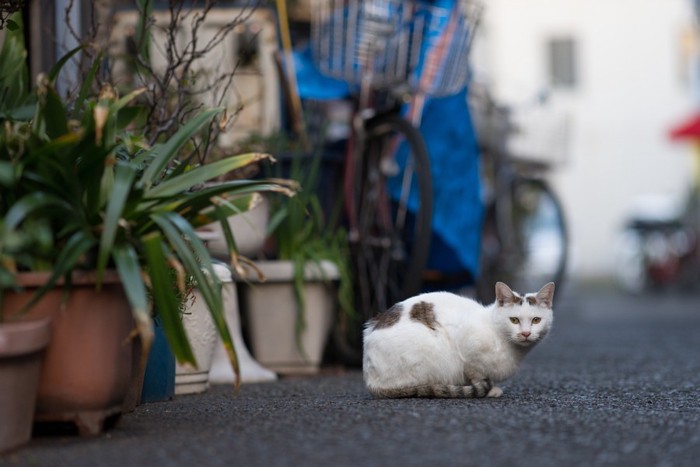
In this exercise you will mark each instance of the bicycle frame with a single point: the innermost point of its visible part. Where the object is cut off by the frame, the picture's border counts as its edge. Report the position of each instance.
(376, 46)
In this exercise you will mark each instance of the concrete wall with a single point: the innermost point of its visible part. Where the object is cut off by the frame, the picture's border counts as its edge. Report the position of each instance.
(634, 84)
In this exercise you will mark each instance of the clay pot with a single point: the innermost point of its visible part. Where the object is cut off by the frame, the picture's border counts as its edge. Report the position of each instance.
(87, 370)
(21, 350)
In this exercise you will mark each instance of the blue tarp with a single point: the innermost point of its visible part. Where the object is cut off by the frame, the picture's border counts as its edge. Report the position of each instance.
(454, 157)
(311, 83)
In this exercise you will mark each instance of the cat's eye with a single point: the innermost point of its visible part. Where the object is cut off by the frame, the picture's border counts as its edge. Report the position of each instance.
(514, 320)
(536, 320)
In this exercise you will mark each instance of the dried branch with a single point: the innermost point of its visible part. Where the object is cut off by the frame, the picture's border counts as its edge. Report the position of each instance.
(8, 8)
(168, 67)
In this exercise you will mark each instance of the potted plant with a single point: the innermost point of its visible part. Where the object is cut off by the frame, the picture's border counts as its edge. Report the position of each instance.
(122, 218)
(203, 338)
(21, 343)
(291, 311)
(21, 348)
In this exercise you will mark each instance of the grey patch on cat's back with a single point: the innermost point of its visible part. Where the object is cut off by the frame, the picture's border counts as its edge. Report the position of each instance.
(423, 312)
(387, 318)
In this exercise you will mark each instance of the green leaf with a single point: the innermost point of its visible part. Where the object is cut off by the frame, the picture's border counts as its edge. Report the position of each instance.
(198, 204)
(124, 176)
(168, 151)
(15, 87)
(163, 288)
(276, 219)
(7, 173)
(190, 252)
(175, 228)
(72, 252)
(298, 284)
(143, 29)
(129, 267)
(128, 115)
(28, 205)
(222, 216)
(21, 113)
(56, 69)
(204, 173)
(52, 114)
(224, 207)
(123, 101)
(85, 87)
(11, 25)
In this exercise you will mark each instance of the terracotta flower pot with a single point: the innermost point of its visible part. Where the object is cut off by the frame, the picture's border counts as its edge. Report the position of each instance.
(21, 351)
(87, 369)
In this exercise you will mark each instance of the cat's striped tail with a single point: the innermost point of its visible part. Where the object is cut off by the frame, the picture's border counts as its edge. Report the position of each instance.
(475, 390)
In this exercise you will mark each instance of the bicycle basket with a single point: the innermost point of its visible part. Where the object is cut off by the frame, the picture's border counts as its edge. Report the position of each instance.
(541, 135)
(394, 43)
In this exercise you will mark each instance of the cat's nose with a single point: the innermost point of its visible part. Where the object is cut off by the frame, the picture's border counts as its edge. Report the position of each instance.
(525, 334)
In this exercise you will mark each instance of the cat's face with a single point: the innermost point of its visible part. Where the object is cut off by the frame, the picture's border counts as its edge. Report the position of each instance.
(525, 320)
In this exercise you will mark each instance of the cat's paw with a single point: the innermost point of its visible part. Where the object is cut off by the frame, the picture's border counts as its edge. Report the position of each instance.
(481, 387)
(495, 392)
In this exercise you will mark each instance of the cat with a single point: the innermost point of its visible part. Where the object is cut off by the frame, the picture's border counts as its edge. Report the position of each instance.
(439, 344)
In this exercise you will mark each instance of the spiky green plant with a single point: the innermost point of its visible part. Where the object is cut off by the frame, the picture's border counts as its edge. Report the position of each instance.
(303, 233)
(92, 197)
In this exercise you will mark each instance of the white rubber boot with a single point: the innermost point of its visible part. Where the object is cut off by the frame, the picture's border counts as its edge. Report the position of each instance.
(221, 371)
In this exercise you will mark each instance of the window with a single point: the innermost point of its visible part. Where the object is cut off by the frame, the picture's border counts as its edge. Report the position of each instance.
(561, 55)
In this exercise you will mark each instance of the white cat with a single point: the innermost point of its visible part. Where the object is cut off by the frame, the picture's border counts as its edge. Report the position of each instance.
(439, 344)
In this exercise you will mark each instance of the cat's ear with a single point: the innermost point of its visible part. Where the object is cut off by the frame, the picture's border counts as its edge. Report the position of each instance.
(503, 294)
(545, 297)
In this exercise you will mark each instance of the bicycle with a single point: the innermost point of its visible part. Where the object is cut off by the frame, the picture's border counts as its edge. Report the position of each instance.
(379, 48)
(658, 247)
(524, 234)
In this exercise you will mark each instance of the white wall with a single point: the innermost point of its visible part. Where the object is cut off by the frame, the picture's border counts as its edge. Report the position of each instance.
(632, 88)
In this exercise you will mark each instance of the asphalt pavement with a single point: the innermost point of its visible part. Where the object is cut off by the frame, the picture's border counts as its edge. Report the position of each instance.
(617, 383)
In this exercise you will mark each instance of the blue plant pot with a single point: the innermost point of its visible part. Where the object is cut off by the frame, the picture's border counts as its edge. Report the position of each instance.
(159, 379)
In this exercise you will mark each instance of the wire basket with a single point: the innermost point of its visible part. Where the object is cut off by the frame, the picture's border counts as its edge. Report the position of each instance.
(541, 135)
(414, 45)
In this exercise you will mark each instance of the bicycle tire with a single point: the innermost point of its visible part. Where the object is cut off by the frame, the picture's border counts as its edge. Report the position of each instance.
(539, 253)
(389, 245)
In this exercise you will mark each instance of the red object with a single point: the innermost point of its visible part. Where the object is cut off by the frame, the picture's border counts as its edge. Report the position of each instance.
(688, 129)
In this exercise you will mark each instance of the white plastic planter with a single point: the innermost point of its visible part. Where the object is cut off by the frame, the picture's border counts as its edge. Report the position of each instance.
(249, 229)
(271, 311)
(202, 335)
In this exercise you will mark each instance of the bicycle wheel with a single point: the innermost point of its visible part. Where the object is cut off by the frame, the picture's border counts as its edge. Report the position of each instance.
(393, 202)
(527, 246)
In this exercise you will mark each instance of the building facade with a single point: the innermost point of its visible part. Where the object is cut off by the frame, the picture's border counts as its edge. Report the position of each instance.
(617, 75)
